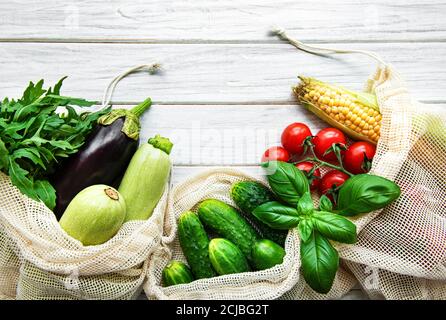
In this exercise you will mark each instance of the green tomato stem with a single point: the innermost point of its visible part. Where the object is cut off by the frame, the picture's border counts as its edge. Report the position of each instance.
(327, 164)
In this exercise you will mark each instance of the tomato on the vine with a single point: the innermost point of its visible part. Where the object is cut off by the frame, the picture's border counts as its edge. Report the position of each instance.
(276, 153)
(330, 181)
(325, 139)
(294, 136)
(314, 178)
(358, 157)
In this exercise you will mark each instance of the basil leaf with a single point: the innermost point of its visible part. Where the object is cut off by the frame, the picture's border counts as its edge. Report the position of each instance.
(325, 204)
(305, 229)
(277, 216)
(335, 227)
(365, 193)
(320, 262)
(286, 181)
(305, 205)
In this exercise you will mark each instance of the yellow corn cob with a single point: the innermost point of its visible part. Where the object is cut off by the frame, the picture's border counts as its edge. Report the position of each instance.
(356, 114)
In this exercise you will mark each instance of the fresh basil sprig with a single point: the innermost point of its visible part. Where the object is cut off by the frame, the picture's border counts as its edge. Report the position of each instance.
(320, 260)
(365, 193)
(334, 227)
(305, 229)
(277, 216)
(325, 203)
(286, 181)
(305, 204)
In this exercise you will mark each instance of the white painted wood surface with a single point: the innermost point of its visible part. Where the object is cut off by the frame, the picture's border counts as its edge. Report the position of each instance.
(229, 20)
(224, 94)
(212, 73)
(235, 135)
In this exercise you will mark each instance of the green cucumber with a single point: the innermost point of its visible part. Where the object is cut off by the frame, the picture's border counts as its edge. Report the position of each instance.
(227, 222)
(176, 272)
(266, 254)
(226, 257)
(248, 195)
(195, 245)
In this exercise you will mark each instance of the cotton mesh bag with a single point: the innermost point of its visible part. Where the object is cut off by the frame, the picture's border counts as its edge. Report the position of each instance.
(267, 284)
(9, 267)
(401, 249)
(39, 260)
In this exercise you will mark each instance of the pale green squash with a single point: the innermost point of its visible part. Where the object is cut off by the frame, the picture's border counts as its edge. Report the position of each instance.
(146, 177)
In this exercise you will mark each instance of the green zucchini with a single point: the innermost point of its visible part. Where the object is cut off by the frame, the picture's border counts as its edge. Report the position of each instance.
(227, 222)
(248, 195)
(195, 245)
(176, 272)
(266, 254)
(145, 178)
(226, 257)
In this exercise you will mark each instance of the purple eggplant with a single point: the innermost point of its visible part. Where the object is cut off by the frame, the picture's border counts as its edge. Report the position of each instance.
(103, 158)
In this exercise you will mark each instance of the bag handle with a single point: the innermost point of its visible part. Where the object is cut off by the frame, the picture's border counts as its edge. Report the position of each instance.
(108, 92)
(280, 32)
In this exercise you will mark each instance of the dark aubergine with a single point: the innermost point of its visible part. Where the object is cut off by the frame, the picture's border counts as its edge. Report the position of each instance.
(103, 158)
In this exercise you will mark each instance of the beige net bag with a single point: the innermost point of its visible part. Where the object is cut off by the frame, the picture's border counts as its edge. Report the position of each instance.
(9, 267)
(38, 260)
(401, 253)
(265, 284)
(401, 250)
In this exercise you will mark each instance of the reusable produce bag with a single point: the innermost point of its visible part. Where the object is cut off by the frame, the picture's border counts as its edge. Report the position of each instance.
(9, 267)
(266, 284)
(39, 260)
(401, 250)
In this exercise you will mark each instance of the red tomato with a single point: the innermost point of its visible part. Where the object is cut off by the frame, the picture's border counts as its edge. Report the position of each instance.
(357, 158)
(330, 180)
(276, 153)
(315, 178)
(324, 139)
(293, 137)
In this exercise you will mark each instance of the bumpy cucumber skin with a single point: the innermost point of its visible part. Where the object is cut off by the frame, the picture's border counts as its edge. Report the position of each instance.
(266, 254)
(226, 257)
(248, 195)
(195, 245)
(227, 222)
(176, 272)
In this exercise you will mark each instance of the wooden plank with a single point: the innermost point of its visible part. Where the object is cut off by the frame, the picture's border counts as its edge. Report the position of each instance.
(212, 73)
(225, 134)
(325, 20)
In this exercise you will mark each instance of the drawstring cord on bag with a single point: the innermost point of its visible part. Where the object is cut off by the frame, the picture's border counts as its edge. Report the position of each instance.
(317, 49)
(108, 92)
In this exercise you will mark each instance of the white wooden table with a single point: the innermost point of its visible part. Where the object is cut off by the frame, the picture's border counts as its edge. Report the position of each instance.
(224, 93)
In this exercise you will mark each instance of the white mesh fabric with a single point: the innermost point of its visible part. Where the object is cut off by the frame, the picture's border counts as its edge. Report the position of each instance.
(401, 253)
(53, 265)
(265, 284)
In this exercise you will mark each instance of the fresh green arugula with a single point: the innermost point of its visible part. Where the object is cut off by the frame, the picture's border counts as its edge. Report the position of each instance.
(320, 260)
(34, 138)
